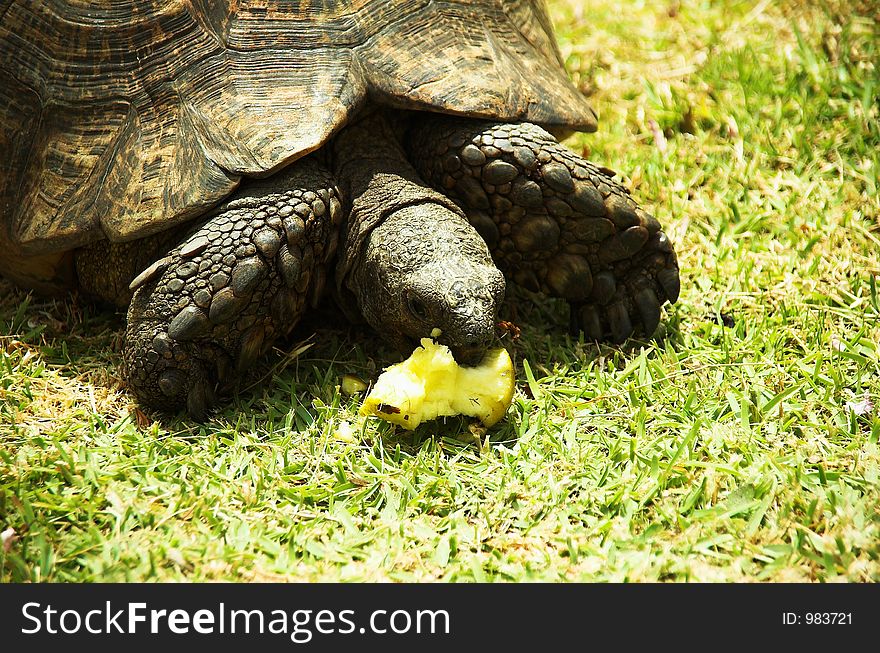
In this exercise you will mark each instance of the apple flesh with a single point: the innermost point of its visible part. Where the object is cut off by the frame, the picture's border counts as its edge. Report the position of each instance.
(430, 384)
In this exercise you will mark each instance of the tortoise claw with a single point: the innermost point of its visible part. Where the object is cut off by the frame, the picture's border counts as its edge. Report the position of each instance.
(604, 287)
(669, 280)
(618, 320)
(150, 273)
(199, 400)
(251, 347)
(586, 318)
(172, 382)
(649, 310)
(224, 368)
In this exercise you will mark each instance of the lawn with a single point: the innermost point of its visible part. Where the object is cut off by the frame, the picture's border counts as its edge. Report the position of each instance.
(740, 445)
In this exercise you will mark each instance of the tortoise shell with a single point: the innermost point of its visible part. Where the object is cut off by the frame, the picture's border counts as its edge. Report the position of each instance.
(119, 120)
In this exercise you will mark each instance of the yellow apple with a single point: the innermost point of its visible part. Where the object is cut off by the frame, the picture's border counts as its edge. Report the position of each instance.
(431, 384)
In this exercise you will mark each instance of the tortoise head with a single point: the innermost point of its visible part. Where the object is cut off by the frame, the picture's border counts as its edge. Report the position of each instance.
(424, 267)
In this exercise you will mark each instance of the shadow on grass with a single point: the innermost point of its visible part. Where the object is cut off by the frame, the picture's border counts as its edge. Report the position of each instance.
(300, 380)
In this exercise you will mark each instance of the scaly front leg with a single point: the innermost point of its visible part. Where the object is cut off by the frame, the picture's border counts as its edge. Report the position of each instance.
(555, 222)
(220, 298)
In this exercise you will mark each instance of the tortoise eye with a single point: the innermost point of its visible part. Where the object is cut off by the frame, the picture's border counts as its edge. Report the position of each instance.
(417, 307)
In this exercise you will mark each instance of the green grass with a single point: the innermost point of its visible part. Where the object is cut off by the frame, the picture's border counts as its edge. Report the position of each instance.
(726, 451)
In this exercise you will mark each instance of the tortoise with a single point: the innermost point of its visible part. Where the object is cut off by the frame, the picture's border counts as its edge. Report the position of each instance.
(219, 167)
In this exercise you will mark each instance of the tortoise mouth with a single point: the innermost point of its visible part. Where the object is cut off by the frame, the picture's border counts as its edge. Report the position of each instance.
(464, 355)
(469, 355)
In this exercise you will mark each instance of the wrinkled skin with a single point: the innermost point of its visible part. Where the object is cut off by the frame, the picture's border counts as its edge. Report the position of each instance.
(407, 229)
(420, 265)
